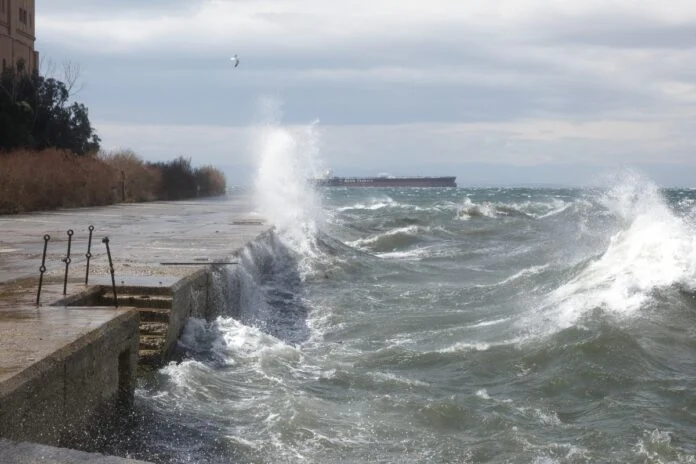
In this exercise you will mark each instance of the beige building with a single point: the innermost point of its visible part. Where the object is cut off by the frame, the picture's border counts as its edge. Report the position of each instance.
(17, 34)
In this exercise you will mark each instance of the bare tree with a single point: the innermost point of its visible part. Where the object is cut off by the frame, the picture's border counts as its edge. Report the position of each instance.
(71, 76)
(47, 67)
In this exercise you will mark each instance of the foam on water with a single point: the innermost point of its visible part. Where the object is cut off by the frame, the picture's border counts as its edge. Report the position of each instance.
(372, 204)
(656, 446)
(469, 209)
(409, 231)
(533, 270)
(537, 210)
(652, 249)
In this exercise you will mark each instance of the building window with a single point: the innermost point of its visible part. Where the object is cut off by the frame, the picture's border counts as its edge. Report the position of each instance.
(4, 64)
(23, 15)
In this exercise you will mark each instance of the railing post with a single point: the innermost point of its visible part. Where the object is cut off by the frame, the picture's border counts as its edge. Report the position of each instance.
(42, 269)
(89, 253)
(105, 240)
(66, 260)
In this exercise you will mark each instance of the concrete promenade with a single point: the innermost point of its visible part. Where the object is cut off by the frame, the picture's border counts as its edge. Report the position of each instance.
(152, 245)
(141, 237)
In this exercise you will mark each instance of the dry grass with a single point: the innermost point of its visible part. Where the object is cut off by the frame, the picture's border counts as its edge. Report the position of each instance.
(50, 179)
(137, 180)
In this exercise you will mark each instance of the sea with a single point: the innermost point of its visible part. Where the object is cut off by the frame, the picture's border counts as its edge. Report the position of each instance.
(438, 325)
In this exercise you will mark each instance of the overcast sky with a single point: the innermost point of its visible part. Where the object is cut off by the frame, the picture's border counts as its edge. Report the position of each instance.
(495, 92)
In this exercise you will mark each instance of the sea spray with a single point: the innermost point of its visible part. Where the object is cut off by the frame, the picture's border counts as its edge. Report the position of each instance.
(649, 248)
(264, 290)
(288, 159)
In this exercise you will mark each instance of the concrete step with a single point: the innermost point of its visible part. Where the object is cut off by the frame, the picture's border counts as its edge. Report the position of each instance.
(151, 342)
(154, 325)
(154, 315)
(134, 290)
(138, 301)
(154, 328)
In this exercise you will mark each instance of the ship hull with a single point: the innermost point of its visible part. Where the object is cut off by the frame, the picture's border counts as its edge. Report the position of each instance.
(446, 181)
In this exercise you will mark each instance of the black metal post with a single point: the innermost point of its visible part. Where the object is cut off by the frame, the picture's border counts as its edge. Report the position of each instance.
(105, 240)
(42, 269)
(89, 253)
(66, 260)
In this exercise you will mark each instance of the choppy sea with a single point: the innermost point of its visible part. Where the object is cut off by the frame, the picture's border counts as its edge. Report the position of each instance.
(460, 325)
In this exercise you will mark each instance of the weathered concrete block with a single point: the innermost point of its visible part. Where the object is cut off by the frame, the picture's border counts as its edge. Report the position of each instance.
(32, 406)
(100, 377)
(55, 400)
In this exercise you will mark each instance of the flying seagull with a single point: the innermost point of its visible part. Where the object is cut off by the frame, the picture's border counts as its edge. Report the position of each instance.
(235, 60)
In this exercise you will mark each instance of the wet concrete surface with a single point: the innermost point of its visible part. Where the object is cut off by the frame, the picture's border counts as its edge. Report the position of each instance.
(30, 334)
(144, 239)
(141, 238)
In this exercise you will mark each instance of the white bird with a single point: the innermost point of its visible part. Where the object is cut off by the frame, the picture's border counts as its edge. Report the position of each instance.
(235, 60)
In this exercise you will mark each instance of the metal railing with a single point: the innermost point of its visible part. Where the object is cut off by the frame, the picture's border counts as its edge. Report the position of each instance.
(67, 260)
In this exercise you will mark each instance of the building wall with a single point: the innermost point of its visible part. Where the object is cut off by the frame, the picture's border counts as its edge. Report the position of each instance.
(18, 33)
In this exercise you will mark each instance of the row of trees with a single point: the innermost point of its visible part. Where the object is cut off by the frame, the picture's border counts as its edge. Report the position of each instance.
(171, 180)
(36, 113)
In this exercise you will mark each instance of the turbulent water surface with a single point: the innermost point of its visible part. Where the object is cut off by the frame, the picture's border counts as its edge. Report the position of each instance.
(443, 326)
(438, 326)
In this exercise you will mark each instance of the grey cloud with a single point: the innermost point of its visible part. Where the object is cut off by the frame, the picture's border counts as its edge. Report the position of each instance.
(176, 87)
(184, 103)
(621, 30)
(109, 8)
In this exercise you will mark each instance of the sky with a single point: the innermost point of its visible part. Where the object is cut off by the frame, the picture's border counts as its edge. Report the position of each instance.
(511, 92)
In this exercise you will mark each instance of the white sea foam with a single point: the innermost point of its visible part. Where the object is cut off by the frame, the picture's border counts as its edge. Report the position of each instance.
(245, 341)
(408, 230)
(536, 210)
(393, 378)
(534, 270)
(653, 249)
(372, 205)
(558, 210)
(463, 347)
(488, 323)
(469, 209)
(656, 446)
(414, 254)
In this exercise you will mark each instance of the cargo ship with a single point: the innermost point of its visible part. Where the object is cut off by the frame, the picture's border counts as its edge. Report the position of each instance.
(384, 181)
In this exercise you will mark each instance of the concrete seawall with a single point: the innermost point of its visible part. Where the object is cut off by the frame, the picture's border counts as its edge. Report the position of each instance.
(71, 362)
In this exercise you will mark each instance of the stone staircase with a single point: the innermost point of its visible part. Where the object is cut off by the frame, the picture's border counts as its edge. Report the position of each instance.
(154, 306)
